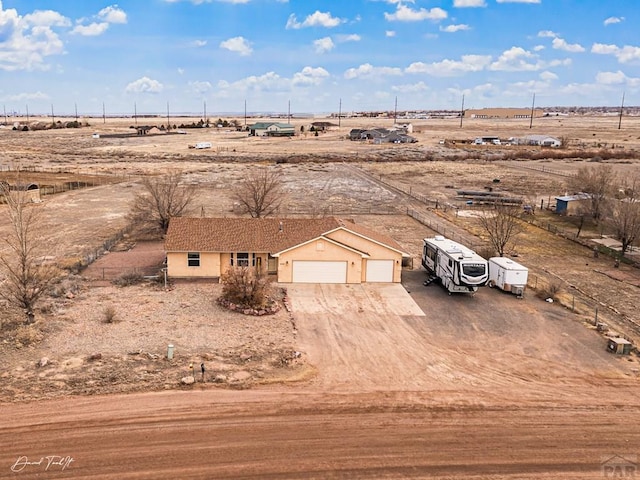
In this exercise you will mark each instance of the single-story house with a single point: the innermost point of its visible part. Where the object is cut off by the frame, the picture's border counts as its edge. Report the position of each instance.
(542, 141)
(272, 129)
(295, 250)
(323, 126)
(571, 204)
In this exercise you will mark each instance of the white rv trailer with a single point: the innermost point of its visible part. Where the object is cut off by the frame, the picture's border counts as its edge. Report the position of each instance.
(456, 267)
(508, 275)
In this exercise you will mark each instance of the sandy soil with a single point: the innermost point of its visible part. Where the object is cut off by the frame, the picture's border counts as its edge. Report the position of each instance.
(484, 386)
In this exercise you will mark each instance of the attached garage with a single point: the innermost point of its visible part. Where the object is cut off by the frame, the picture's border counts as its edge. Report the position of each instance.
(319, 272)
(379, 271)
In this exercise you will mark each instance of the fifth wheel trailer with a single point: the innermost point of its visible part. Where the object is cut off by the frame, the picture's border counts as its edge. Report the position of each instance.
(455, 266)
(508, 275)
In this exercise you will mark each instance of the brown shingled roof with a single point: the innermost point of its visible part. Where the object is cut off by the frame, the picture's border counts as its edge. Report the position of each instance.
(269, 235)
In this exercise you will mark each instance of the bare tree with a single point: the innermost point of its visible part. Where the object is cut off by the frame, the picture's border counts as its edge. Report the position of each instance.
(245, 286)
(25, 273)
(502, 224)
(596, 181)
(625, 213)
(163, 198)
(260, 193)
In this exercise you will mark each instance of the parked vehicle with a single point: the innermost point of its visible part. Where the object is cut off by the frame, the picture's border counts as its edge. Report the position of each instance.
(458, 268)
(508, 275)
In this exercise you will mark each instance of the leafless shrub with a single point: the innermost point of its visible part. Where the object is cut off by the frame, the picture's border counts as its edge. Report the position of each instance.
(109, 314)
(550, 290)
(128, 279)
(245, 286)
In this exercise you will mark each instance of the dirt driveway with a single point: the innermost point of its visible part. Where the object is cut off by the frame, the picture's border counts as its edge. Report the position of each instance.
(376, 337)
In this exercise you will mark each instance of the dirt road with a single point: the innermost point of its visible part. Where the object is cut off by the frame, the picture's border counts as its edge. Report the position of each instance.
(217, 434)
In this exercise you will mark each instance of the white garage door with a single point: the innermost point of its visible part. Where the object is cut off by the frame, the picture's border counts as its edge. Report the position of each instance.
(379, 271)
(319, 272)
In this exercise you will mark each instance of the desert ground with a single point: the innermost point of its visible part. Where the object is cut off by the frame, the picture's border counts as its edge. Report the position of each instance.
(345, 381)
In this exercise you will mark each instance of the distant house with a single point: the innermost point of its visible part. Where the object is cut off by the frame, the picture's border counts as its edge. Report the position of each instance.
(485, 113)
(542, 141)
(295, 250)
(381, 135)
(571, 204)
(323, 126)
(271, 129)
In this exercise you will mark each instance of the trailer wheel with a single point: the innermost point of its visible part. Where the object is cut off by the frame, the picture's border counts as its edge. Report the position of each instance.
(491, 284)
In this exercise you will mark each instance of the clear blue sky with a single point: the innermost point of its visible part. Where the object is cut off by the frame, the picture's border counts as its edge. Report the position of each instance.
(427, 53)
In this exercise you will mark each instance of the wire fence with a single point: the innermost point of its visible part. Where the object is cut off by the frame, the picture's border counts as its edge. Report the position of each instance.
(446, 229)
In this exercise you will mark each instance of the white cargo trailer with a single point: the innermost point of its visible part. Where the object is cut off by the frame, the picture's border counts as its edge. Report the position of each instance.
(508, 275)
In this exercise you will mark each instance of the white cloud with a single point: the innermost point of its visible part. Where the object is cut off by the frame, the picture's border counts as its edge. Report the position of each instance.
(454, 28)
(310, 76)
(323, 45)
(410, 88)
(112, 14)
(25, 41)
(612, 20)
(316, 19)
(200, 87)
(390, 33)
(519, 1)
(91, 30)
(610, 78)
(407, 14)
(450, 68)
(561, 44)
(180, 71)
(353, 37)
(538, 48)
(548, 76)
(21, 97)
(199, 43)
(144, 85)
(469, 3)
(105, 17)
(47, 18)
(238, 45)
(516, 59)
(547, 34)
(624, 54)
(367, 70)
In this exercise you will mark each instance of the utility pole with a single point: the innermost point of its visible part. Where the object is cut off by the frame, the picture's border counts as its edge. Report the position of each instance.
(53, 117)
(621, 109)
(4, 107)
(245, 113)
(462, 111)
(168, 120)
(27, 114)
(135, 114)
(289, 112)
(75, 105)
(104, 115)
(205, 114)
(533, 103)
(395, 111)
(339, 113)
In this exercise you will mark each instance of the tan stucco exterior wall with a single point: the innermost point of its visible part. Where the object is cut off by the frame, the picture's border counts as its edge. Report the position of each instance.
(375, 251)
(320, 250)
(177, 265)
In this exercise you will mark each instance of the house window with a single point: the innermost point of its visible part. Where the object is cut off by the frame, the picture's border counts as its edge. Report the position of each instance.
(241, 259)
(193, 259)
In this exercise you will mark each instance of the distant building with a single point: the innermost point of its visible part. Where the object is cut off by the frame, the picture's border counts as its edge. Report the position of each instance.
(571, 204)
(272, 129)
(540, 140)
(323, 126)
(503, 113)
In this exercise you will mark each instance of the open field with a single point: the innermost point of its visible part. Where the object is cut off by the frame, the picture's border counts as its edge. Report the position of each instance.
(398, 383)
